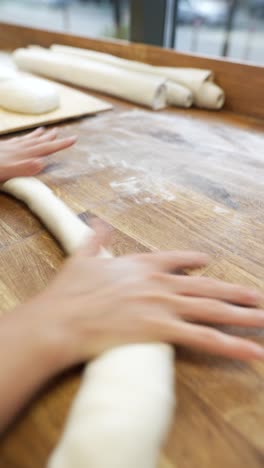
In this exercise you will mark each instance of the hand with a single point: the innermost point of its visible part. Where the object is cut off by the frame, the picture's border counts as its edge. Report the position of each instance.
(97, 303)
(23, 156)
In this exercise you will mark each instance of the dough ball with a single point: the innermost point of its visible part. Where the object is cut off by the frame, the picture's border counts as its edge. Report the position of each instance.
(28, 95)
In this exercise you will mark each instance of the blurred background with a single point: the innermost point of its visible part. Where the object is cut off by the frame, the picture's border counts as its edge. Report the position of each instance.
(229, 28)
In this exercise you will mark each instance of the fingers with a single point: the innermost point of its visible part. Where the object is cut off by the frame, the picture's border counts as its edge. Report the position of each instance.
(176, 260)
(35, 140)
(24, 168)
(211, 288)
(47, 136)
(39, 143)
(31, 142)
(39, 131)
(210, 340)
(47, 148)
(209, 310)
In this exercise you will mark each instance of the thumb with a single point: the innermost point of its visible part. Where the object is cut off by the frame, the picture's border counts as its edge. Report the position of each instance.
(100, 238)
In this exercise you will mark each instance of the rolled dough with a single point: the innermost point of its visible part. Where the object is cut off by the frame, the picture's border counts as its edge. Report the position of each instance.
(210, 96)
(122, 412)
(191, 78)
(178, 95)
(134, 86)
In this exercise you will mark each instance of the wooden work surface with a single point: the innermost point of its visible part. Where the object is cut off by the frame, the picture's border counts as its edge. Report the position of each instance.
(169, 180)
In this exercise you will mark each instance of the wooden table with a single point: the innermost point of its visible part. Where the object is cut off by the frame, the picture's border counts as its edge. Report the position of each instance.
(170, 180)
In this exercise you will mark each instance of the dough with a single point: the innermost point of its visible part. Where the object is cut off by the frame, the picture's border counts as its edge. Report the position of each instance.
(66, 227)
(133, 86)
(28, 95)
(210, 96)
(122, 412)
(190, 78)
(178, 95)
(7, 73)
(193, 76)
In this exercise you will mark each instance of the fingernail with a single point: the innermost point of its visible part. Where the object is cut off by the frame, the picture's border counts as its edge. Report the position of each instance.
(73, 137)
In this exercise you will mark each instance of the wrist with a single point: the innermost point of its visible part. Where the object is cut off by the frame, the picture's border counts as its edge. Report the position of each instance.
(31, 359)
(42, 336)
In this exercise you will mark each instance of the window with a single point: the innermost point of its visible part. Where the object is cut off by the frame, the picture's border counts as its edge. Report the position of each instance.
(233, 28)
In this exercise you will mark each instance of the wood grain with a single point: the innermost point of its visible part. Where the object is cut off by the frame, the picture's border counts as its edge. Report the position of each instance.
(243, 83)
(170, 180)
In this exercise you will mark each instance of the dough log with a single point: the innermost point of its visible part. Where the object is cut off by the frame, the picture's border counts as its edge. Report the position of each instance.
(133, 86)
(210, 96)
(178, 95)
(192, 79)
(122, 412)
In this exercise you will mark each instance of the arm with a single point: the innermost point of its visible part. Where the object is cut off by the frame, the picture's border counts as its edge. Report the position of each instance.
(27, 359)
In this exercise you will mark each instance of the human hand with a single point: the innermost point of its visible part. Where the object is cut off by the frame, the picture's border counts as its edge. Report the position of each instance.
(23, 156)
(96, 303)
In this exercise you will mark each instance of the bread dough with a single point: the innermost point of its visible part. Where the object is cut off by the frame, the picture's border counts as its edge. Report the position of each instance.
(178, 95)
(210, 96)
(133, 86)
(65, 226)
(28, 95)
(122, 412)
(7, 73)
(191, 78)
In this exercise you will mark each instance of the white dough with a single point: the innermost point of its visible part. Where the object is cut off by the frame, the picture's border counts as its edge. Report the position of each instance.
(178, 95)
(28, 95)
(137, 87)
(190, 78)
(122, 412)
(7, 73)
(66, 227)
(210, 96)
